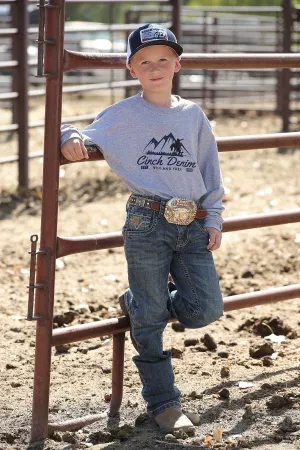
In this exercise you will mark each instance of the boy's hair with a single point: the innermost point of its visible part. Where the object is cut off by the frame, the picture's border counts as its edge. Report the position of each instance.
(151, 34)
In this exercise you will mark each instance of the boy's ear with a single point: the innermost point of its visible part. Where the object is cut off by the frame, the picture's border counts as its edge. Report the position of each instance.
(177, 65)
(132, 72)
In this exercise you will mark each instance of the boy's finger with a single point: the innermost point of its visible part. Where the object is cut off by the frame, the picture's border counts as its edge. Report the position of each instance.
(214, 241)
(77, 151)
(68, 154)
(84, 150)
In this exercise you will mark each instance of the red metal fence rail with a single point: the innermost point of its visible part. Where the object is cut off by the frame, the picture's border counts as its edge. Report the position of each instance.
(51, 246)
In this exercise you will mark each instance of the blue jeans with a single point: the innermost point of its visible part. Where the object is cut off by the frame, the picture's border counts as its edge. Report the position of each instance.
(154, 248)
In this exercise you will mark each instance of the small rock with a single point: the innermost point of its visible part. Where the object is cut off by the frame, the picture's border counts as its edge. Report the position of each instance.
(278, 402)
(225, 372)
(107, 398)
(15, 384)
(82, 308)
(65, 318)
(64, 348)
(287, 424)
(106, 369)
(247, 274)
(190, 342)
(258, 351)
(11, 366)
(176, 326)
(209, 342)
(224, 394)
(195, 395)
(205, 373)
(180, 434)
(223, 354)
(170, 438)
(201, 349)
(176, 352)
(267, 361)
(69, 437)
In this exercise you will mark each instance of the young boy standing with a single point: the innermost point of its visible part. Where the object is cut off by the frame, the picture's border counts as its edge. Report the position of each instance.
(163, 148)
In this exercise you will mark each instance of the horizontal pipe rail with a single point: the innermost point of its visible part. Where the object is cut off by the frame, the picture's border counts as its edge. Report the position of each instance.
(116, 1)
(234, 143)
(79, 60)
(8, 32)
(89, 87)
(8, 65)
(256, 141)
(8, 96)
(106, 327)
(80, 244)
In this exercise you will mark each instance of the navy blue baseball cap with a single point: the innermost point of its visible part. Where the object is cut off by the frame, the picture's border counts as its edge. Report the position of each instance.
(151, 34)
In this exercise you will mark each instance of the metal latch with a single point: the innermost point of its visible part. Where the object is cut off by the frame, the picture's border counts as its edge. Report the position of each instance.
(32, 284)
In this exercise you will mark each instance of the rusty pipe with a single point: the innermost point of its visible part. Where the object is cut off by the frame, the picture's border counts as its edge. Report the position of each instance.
(106, 327)
(79, 60)
(80, 244)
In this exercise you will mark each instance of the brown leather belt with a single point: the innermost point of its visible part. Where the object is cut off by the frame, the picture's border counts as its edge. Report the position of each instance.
(156, 206)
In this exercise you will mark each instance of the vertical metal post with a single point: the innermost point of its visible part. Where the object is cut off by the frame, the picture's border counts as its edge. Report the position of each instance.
(127, 74)
(176, 28)
(286, 73)
(19, 12)
(214, 73)
(44, 302)
(204, 50)
(278, 49)
(117, 373)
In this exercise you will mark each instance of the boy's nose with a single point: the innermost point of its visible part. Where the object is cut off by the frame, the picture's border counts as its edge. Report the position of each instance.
(154, 67)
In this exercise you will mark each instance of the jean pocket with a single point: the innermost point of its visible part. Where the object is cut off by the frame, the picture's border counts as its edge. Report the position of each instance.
(200, 224)
(139, 220)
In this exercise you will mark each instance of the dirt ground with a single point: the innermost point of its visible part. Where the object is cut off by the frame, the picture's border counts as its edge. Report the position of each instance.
(242, 387)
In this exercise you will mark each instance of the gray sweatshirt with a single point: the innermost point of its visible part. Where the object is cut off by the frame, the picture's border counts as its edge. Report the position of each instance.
(168, 152)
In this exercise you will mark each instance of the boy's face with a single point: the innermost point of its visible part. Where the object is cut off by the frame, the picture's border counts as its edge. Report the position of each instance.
(154, 66)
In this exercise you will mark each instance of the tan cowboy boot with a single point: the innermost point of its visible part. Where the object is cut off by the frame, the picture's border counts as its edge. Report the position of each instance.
(172, 420)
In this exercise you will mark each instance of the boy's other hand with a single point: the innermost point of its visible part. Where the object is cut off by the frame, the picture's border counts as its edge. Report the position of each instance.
(74, 150)
(215, 238)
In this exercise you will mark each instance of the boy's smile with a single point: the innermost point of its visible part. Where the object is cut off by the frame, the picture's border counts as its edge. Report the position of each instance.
(154, 66)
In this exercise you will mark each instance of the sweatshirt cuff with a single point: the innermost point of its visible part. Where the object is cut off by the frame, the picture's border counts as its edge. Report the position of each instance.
(214, 220)
(70, 135)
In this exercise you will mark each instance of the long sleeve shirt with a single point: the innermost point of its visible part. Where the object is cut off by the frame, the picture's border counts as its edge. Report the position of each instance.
(167, 152)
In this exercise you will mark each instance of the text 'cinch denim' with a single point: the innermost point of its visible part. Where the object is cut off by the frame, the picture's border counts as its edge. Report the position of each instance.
(154, 248)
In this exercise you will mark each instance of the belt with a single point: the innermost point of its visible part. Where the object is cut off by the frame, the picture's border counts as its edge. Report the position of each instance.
(180, 211)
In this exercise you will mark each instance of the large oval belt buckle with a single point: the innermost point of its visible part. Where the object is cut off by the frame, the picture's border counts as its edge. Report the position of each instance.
(180, 211)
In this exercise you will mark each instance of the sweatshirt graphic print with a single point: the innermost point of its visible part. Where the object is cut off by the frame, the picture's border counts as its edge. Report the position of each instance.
(168, 152)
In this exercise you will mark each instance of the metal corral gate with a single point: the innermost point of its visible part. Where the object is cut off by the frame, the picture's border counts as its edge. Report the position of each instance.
(41, 289)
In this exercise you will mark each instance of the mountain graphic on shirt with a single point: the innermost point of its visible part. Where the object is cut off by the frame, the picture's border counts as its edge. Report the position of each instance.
(168, 145)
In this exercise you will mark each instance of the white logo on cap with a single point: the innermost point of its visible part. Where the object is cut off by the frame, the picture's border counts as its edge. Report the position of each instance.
(153, 34)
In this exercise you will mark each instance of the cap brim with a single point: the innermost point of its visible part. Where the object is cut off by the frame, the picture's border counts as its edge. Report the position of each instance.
(176, 47)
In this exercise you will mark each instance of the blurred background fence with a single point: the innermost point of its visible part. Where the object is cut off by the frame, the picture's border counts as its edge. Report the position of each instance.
(201, 29)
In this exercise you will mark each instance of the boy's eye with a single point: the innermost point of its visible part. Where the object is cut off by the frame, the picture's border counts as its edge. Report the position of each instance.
(145, 62)
(163, 59)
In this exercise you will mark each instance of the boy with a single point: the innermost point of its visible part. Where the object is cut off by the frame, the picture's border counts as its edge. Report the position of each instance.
(164, 150)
